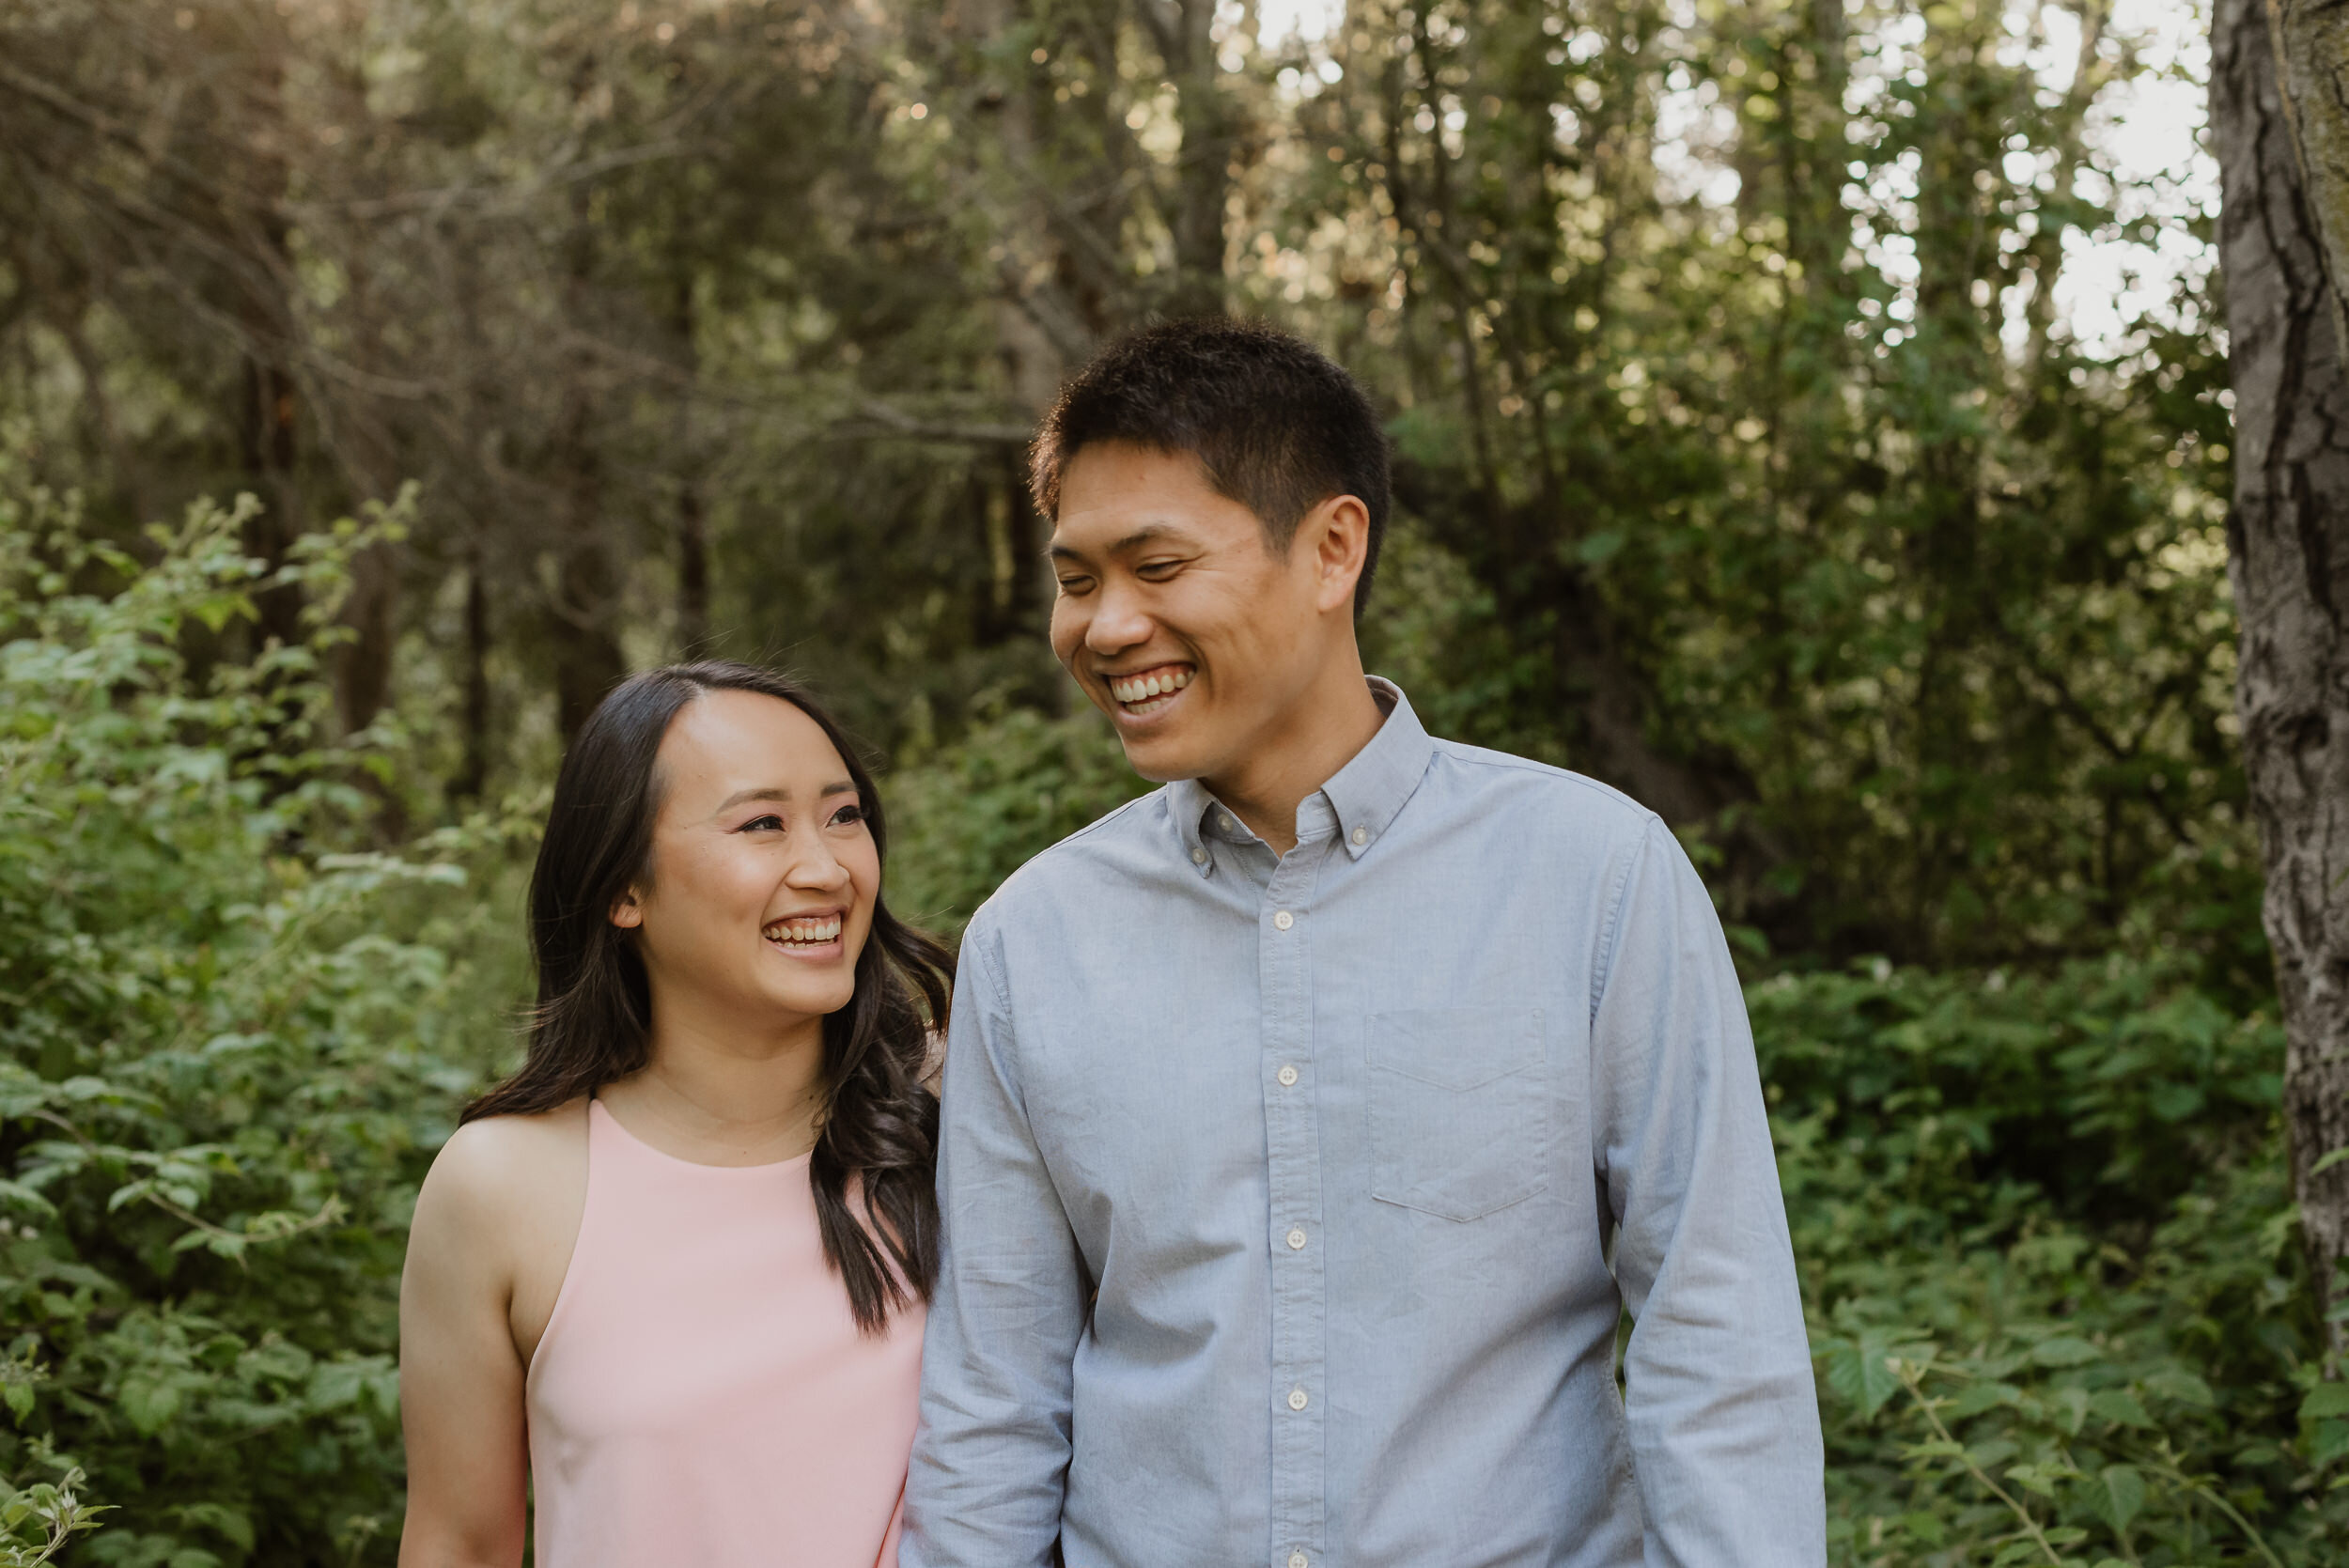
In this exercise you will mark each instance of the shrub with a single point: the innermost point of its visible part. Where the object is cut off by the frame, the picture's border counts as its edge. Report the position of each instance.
(221, 1066)
(1014, 784)
(2043, 1223)
(2048, 1248)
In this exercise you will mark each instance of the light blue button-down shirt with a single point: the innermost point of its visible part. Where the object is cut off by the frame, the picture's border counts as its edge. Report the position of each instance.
(1292, 1202)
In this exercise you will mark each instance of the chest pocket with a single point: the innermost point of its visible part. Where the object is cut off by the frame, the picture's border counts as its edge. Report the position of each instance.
(1460, 1108)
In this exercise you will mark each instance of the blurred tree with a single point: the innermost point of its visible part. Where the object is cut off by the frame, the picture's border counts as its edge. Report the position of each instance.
(1747, 456)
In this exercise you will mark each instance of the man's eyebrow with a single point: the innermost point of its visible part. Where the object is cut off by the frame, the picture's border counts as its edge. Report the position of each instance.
(1134, 540)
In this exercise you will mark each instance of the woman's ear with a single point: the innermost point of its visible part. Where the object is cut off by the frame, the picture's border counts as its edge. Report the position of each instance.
(627, 912)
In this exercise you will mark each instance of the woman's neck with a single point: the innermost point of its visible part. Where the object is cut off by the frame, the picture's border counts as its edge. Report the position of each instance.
(723, 1098)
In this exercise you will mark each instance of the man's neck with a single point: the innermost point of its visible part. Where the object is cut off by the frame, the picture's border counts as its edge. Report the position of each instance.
(1306, 747)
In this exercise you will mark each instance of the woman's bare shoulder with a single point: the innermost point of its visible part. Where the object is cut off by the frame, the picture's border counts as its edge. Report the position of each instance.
(489, 1167)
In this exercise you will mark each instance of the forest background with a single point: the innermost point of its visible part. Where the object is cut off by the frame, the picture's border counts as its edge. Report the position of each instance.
(1811, 416)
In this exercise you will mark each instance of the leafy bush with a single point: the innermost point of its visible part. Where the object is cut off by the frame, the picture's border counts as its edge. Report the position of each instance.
(221, 1066)
(2043, 1221)
(2045, 1233)
(972, 814)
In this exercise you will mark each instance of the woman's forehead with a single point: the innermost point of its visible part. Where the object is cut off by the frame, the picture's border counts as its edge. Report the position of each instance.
(726, 740)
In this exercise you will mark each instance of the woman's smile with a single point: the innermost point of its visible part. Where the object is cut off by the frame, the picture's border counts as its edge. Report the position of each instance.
(811, 937)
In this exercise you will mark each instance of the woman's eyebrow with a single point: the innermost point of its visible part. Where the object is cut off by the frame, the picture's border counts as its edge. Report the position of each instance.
(772, 792)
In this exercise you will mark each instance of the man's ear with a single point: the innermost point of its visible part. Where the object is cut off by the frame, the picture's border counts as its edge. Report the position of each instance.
(628, 910)
(1337, 533)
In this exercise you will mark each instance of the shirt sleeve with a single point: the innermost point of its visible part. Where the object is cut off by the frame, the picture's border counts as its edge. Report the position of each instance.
(990, 1457)
(1724, 1419)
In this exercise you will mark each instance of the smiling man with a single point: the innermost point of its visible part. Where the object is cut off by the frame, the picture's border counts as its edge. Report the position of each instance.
(1311, 1124)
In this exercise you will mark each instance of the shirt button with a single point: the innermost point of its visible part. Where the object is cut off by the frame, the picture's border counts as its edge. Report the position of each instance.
(1285, 919)
(1230, 826)
(1362, 835)
(1199, 856)
(1297, 1559)
(1296, 1241)
(1288, 1078)
(1296, 1399)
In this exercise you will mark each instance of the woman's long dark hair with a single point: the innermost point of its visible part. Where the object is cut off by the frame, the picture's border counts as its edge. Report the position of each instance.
(593, 1019)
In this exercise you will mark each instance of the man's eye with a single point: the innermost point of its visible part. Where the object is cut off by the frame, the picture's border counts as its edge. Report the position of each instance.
(1073, 585)
(1157, 572)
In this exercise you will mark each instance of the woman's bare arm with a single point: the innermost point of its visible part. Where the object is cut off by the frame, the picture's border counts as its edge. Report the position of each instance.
(492, 1233)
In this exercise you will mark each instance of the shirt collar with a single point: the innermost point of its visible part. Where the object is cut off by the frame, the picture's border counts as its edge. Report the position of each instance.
(1366, 794)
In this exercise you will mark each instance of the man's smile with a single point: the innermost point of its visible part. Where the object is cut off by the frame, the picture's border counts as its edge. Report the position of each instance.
(1148, 690)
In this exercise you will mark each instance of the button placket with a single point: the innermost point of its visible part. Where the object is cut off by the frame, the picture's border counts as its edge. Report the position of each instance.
(1293, 1166)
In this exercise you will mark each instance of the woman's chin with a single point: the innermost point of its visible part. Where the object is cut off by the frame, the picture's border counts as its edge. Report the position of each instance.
(812, 995)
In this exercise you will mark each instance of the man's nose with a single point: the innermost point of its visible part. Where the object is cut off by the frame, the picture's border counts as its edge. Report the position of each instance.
(1118, 621)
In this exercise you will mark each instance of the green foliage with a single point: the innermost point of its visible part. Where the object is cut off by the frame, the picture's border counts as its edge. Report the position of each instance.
(974, 812)
(1747, 459)
(38, 1521)
(221, 1065)
(2046, 1237)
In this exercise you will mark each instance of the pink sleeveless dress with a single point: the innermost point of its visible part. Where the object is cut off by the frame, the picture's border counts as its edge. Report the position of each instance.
(702, 1397)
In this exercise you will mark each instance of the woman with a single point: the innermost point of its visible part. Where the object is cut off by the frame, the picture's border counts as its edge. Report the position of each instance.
(668, 1280)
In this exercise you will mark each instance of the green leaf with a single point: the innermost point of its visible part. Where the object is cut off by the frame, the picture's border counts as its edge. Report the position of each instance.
(150, 1402)
(2064, 1351)
(1600, 547)
(232, 1523)
(1861, 1371)
(2042, 1477)
(1925, 1529)
(2332, 1441)
(2330, 1160)
(2121, 1407)
(2116, 1495)
(2326, 1399)
(2184, 1387)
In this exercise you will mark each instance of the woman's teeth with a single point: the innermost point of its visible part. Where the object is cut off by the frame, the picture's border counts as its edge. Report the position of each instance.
(1142, 694)
(810, 933)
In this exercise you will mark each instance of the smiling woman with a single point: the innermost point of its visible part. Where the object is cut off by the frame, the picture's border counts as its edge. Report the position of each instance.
(668, 1280)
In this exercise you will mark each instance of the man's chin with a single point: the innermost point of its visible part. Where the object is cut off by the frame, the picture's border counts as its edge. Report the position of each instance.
(1162, 759)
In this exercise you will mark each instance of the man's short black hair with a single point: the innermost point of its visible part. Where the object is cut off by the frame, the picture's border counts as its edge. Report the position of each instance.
(1277, 426)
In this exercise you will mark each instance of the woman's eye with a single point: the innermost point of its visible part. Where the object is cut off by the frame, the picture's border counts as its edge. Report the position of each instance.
(847, 816)
(767, 824)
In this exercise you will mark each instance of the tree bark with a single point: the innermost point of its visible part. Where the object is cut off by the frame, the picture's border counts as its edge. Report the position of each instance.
(2283, 145)
(1184, 31)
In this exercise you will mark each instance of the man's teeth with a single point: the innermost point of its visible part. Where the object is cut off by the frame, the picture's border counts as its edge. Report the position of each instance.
(1158, 683)
(825, 929)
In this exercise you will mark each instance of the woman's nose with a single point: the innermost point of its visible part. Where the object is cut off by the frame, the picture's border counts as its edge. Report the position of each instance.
(818, 868)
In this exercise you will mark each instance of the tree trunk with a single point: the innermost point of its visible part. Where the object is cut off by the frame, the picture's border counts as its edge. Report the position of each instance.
(1185, 37)
(2283, 143)
(473, 770)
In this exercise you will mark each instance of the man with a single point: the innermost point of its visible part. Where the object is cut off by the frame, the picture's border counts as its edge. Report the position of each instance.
(1310, 1123)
